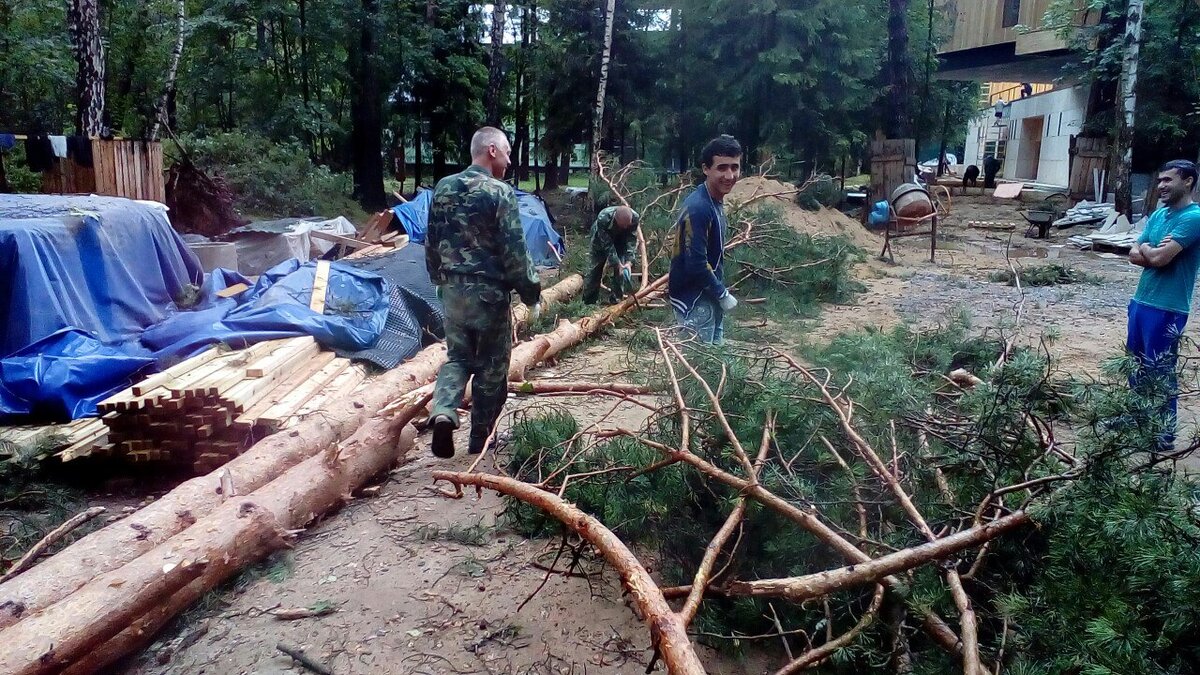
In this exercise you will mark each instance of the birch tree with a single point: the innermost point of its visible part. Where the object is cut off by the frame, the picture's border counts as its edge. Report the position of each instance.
(606, 55)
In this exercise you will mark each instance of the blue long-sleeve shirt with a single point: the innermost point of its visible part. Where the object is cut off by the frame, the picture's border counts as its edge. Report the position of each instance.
(699, 251)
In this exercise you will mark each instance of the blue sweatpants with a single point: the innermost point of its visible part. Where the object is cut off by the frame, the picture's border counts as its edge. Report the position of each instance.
(1153, 339)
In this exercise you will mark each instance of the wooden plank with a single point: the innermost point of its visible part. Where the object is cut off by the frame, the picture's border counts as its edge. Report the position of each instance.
(232, 290)
(376, 227)
(338, 239)
(1008, 190)
(246, 394)
(289, 404)
(247, 419)
(139, 174)
(320, 287)
(193, 383)
(175, 371)
(282, 355)
(160, 178)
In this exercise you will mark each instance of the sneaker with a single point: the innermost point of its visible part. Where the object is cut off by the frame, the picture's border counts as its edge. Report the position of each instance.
(443, 437)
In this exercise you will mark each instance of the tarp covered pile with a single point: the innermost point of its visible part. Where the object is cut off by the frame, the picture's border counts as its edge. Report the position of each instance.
(98, 290)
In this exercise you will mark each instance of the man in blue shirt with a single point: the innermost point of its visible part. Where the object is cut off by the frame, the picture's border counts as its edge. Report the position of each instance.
(1169, 251)
(697, 293)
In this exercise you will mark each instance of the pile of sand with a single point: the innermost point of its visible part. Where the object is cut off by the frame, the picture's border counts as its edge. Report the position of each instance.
(823, 223)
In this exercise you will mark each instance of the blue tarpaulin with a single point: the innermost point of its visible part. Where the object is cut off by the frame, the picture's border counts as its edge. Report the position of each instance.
(87, 301)
(414, 215)
(540, 235)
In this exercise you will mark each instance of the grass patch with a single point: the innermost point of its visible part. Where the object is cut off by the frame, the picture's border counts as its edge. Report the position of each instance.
(1053, 274)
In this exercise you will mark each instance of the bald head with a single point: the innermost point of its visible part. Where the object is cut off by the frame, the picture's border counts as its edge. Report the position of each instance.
(623, 217)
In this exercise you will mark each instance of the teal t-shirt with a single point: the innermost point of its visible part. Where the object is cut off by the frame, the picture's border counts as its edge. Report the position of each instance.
(1170, 287)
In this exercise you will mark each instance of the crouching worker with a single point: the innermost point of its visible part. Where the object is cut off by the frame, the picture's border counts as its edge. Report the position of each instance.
(697, 291)
(614, 235)
(475, 253)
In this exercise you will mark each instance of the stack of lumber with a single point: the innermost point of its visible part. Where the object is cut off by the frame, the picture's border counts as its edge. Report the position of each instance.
(210, 408)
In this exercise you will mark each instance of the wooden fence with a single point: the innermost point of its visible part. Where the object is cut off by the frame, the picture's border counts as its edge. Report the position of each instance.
(893, 162)
(1088, 154)
(120, 168)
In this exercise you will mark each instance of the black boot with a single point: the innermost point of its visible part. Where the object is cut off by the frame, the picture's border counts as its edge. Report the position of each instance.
(443, 437)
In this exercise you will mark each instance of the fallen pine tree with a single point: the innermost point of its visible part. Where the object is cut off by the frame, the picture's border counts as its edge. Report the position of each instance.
(934, 468)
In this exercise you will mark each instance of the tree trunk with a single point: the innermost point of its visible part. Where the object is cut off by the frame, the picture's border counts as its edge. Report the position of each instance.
(945, 136)
(245, 528)
(418, 159)
(366, 117)
(164, 103)
(303, 6)
(896, 118)
(1123, 148)
(919, 127)
(83, 23)
(552, 173)
(495, 68)
(522, 101)
(564, 167)
(598, 110)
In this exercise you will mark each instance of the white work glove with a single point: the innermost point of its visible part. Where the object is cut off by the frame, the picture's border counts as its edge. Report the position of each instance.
(727, 301)
(535, 312)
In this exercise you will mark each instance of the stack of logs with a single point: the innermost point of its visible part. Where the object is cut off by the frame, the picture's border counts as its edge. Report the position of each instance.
(210, 408)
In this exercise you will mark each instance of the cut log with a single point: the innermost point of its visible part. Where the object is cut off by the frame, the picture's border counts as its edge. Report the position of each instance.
(561, 292)
(306, 491)
(50, 641)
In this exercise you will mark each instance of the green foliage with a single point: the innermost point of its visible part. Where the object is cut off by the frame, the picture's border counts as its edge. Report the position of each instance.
(1053, 274)
(271, 178)
(1168, 96)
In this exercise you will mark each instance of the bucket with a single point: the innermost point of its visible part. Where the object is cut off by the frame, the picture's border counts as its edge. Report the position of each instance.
(911, 202)
(214, 254)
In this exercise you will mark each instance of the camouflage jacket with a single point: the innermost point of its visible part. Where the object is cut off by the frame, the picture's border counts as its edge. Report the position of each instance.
(475, 230)
(611, 242)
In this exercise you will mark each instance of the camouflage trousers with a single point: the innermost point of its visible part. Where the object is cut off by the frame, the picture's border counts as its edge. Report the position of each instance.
(478, 345)
(618, 287)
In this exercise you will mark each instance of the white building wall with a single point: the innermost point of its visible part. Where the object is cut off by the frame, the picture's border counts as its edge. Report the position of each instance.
(1061, 111)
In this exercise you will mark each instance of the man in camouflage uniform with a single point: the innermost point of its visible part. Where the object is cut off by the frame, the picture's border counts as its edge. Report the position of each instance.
(475, 252)
(613, 237)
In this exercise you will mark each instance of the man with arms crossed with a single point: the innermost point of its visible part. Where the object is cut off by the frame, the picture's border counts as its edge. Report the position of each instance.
(1168, 250)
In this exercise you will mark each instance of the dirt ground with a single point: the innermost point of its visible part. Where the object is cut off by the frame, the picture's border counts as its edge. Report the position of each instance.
(427, 584)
